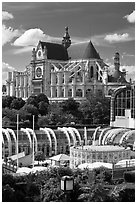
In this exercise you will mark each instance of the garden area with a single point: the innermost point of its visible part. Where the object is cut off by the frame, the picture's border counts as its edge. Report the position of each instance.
(89, 186)
(92, 111)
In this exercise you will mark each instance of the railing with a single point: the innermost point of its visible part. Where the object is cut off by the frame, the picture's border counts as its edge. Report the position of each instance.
(118, 170)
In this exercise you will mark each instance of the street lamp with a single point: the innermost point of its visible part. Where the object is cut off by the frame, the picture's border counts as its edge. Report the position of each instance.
(67, 185)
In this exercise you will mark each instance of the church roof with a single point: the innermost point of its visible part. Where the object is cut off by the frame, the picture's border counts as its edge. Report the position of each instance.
(117, 77)
(55, 51)
(84, 50)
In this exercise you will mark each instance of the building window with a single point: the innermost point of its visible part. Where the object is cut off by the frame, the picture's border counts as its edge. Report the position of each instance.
(125, 100)
(99, 92)
(37, 91)
(70, 93)
(91, 71)
(78, 93)
(56, 93)
(62, 92)
(88, 92)
(133, 104)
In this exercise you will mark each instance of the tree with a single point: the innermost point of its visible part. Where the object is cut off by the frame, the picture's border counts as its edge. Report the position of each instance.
(70, 106)
(17, 103)
(10, 113)
(7, 100)
(42, 97)
(39, 156)
(43, 107)
(32, 101)
(30, 111)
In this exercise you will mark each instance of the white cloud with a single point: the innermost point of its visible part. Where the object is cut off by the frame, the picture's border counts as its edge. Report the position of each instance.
(131, 17)
(8, 34)
(23, 50)
(117, 37)
(32, 36)
(5, 69)
(130, 70)
(6, 15)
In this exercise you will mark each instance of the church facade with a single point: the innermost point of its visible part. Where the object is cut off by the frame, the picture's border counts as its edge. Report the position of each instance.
(61, 71)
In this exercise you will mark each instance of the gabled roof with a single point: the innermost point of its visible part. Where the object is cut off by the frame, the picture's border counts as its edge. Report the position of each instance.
(55, 51)
(84, 50)
(91, 52)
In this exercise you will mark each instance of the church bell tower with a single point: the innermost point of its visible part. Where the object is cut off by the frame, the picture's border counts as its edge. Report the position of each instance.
(66, 42)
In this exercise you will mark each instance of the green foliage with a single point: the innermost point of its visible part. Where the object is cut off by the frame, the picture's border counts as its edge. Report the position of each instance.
(17, 103)
(8, 193)
(39, 156)
(129, 176)
(42, 98)
(10, 113)
(70, 106)
(7, 100)
(32, 101)
(127, 195)
(43, 121)
(30, 110)
(43, 108)
(89, 186)
(8, 179)
(95, 110)
(122, 194)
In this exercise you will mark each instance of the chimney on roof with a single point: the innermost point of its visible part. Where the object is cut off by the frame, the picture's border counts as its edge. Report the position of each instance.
(66, 42)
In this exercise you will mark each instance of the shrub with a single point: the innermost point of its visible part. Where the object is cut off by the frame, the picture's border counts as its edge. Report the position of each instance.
(129, 176)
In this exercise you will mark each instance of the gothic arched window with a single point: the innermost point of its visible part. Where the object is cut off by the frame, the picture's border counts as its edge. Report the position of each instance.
(78, 93)
(70, 93)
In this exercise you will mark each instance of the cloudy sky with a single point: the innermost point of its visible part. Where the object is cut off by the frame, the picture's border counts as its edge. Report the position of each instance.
(109, 25)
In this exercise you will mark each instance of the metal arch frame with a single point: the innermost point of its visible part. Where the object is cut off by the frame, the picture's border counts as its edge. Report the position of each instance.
(49, 138)
(117, 133)
(9, 140)
(95, 133)
(36, 141)
(28, 134)
(66, 133)
(13, 134)
(77, 133)
(72, 134)
(105, 136)
(126, 135)
(55, 138)
(113, 134)
(101, 134)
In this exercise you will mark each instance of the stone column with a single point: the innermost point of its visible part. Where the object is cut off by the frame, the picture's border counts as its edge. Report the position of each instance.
(8, 88)
(25, 86)
(66, 77)
(83, 82)
(53, 84)
(12, 89)
(59, 76)
(73, 88)
(21, 86)
(8, 83)
(17, 85)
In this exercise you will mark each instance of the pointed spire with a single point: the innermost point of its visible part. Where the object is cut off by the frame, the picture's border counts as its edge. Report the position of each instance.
(66, 42)
(91, 52)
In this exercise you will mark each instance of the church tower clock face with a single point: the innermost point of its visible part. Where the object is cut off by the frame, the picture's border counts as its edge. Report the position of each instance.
(39, 72)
